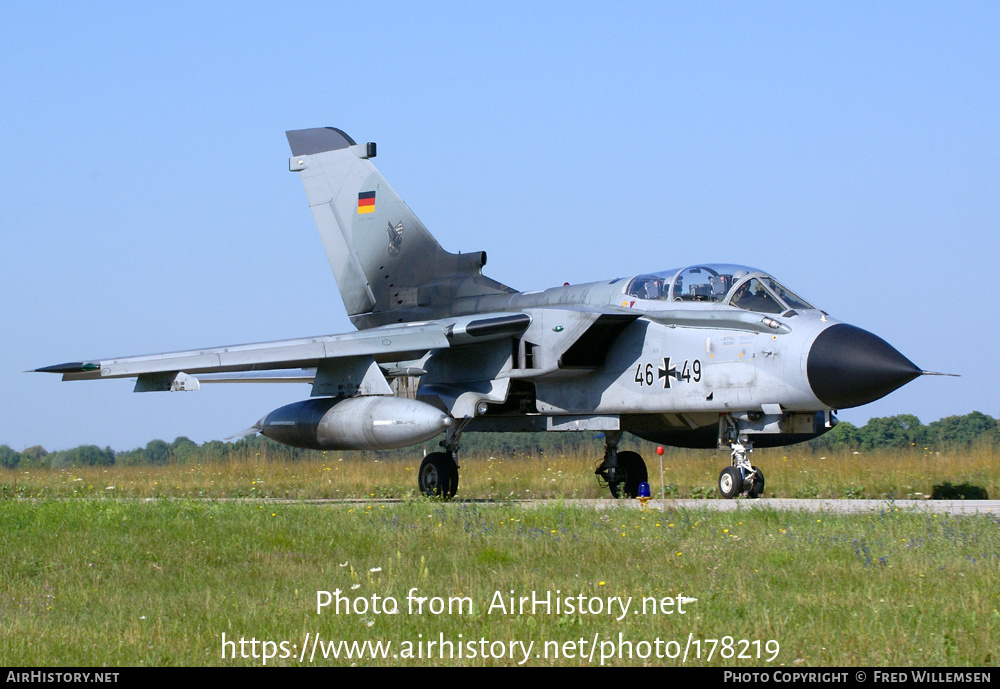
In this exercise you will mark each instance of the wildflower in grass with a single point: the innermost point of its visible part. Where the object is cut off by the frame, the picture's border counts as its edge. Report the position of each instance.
(375, 569)
(355, 587)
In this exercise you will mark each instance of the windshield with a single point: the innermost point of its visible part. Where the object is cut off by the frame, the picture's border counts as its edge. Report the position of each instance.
(764, 294)
(787, 295)
(753, 296)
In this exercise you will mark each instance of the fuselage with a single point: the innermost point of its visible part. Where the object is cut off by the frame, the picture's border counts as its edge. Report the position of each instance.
(705, 339)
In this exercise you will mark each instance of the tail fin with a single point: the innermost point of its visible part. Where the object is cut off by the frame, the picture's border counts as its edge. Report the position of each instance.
(388, 266)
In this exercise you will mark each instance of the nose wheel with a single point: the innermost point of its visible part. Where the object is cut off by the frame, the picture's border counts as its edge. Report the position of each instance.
(730, 482)
(756, 488)
(742, 478)
(733, 482)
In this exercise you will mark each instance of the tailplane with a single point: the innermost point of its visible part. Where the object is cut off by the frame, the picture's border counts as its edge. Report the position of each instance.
(387, 265)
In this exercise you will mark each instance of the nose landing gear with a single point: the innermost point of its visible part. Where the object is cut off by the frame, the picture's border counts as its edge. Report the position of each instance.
(742, 478)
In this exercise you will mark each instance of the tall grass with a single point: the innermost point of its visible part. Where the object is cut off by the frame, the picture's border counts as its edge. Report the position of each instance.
(789, 472)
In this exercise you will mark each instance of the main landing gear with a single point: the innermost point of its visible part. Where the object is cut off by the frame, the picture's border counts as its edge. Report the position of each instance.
(438, 473)
(622, 472)
(741, 478)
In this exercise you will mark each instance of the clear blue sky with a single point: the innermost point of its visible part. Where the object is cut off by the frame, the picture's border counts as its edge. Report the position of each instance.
(852, 149)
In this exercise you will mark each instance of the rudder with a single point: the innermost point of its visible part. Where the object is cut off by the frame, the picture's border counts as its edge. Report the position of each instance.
(387, 265)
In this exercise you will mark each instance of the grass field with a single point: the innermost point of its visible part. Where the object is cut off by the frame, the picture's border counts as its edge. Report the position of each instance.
(790, 472)
(108, 579)
(110, 582)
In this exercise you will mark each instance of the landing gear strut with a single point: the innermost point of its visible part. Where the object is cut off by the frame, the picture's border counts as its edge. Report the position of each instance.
(742, 478)
(438, 473)
(622, 472)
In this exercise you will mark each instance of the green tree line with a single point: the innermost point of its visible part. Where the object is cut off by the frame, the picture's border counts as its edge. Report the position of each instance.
(887, 433)
(905, 430)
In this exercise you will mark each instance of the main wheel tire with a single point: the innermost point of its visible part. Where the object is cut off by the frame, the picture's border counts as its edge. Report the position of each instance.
(438, 476)
(633, 467)
(730, 482)
(757, 488)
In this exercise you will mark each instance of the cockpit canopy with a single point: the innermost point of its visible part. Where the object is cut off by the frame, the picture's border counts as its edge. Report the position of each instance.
(740, 286)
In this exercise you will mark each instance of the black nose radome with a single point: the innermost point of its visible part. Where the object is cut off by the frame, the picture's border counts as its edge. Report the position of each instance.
(848, 367)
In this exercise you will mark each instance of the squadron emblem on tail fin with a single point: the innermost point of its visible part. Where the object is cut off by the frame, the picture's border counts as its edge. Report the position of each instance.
(395, 239)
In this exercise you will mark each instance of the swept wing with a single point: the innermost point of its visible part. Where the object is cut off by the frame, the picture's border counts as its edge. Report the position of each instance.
(350, 363)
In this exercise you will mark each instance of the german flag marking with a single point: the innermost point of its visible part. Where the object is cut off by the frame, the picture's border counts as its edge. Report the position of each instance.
(366, 202)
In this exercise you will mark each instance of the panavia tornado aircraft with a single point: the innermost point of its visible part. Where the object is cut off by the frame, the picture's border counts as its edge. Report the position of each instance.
(703, 356)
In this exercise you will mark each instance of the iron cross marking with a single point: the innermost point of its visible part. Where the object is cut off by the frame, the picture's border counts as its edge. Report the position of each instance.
(666, 373)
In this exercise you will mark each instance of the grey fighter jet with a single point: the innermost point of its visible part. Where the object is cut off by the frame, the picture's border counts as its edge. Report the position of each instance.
(702, 356)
